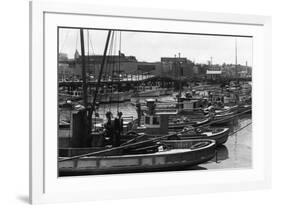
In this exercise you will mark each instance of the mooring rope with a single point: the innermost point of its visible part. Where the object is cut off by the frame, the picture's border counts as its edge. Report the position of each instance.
(240, 129)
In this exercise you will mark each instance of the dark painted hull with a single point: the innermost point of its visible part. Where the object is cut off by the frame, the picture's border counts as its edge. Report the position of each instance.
(223, 119)
(220, 137)
(180, 155)
(177, 126)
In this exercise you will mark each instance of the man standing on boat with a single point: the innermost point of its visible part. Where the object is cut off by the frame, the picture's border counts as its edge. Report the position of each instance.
(109, 128)
(118, 128)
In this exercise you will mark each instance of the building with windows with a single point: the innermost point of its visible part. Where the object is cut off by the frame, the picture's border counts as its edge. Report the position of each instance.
(213, 74)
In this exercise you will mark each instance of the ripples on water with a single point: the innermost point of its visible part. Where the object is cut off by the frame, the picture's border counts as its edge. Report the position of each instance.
(237, 151)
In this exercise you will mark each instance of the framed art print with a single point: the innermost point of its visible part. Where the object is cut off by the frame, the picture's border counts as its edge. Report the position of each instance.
(146, 102)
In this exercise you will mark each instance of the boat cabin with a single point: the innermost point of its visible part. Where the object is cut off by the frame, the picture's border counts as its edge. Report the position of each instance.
(155, 122)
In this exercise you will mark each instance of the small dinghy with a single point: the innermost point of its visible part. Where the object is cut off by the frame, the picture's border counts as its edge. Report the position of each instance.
(223, 118)
(177, 124)
(220, 135)
(142, 156)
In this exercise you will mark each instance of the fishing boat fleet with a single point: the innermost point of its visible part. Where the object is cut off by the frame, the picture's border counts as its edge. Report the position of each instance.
(159, 138)
(181, 133)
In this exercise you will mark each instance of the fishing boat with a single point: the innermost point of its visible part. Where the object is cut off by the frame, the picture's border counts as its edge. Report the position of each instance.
(149, 91)
(180, 123)
(228, 116)
(220, 135)
(168, 154)
(245, 108)
(152, 115)
(110, 96)
(223, 118)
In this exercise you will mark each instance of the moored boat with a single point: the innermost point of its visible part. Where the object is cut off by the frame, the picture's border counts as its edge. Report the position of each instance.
(220, 135)
(169, 154)
(181, 123)
(223, 118)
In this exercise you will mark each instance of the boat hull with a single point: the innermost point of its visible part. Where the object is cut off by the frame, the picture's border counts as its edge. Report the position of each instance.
(149, 93)
(223, 119)
(183, 157)
(179, 126)
(220, 137)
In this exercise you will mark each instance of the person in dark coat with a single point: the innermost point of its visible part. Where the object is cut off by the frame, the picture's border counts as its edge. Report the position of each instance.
(118, 128)
(109, 127)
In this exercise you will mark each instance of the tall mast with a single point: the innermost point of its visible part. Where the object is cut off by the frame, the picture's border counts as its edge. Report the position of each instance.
(119, 56)
(179, 72)
(85, 94)
(236, 60)
(99, 77)
(236, 68)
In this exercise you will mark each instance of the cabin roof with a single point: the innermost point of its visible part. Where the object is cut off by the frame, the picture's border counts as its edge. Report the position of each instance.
(166, 112)
(212, 72)
(150, 100)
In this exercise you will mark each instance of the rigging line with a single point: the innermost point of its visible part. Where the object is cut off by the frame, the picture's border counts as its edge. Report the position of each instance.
(118, 86)
(91, 43)
(77, 39)
(63, 42)
(107, 69)
(115, 66)
(111, 68)
(240, 129)
(88, 50)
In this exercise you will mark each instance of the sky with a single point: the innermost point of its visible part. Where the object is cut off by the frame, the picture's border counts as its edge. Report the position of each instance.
(150, 47)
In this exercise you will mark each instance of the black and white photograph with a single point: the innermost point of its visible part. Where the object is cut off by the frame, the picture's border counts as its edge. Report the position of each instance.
(136, 101)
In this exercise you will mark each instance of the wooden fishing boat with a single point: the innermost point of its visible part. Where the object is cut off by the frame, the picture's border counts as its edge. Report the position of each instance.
(245, 108)
(180, 124)
(170, 154)
(223, 118)
(220, 135)
(226, 109)
(226, 117)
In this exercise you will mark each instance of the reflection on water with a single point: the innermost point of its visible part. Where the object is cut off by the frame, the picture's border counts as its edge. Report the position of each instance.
(221, 154)
(237, 151)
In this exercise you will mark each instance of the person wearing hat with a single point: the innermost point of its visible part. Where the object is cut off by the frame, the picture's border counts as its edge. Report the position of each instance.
(109, 127)
(118, 128)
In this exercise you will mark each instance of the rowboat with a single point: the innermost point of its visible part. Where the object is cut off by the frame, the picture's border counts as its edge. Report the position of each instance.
(220, 135)
(223, 118)
(245, 108)
(180, 124)
(226, 117)
(169, 154)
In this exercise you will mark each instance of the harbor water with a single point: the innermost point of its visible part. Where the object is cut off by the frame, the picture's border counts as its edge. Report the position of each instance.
(237, 151)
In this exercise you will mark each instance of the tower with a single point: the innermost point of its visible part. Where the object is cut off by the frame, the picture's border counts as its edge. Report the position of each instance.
(76, 55)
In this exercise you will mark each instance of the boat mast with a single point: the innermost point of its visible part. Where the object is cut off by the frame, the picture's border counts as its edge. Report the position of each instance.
(236, 60)
(236, 69)
(99, 77)
(84, 85)
(119, 61)
(179, 69)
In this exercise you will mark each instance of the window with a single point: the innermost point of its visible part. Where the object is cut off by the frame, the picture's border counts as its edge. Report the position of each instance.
(147, 120)
(156, 121)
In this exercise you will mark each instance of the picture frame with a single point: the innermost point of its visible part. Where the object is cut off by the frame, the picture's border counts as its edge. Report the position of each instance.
(46, 187)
